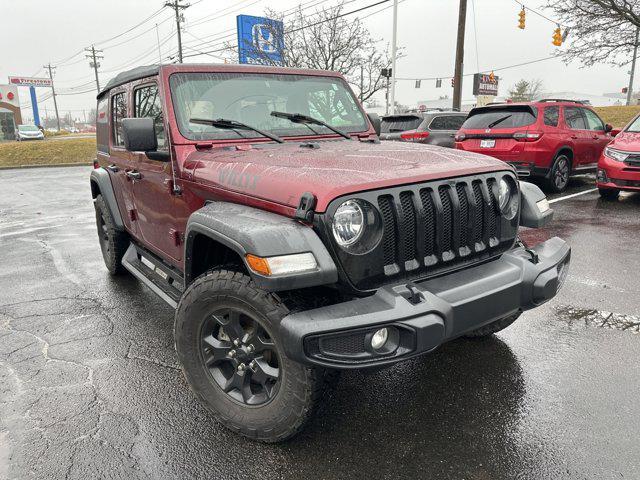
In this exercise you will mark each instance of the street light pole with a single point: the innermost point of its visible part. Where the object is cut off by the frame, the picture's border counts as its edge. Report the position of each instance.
(459, 70)
(394, 52)
(633, 68)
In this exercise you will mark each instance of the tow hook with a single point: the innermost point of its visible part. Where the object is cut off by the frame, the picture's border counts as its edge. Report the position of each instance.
(410, 292)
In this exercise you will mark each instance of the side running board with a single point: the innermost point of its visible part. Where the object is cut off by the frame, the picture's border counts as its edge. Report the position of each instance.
(161, 279)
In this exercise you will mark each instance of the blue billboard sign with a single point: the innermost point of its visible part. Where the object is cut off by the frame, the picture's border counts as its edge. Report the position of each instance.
(260, 40)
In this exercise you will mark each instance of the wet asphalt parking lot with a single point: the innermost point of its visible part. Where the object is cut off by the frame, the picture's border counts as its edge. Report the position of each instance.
(90, 386)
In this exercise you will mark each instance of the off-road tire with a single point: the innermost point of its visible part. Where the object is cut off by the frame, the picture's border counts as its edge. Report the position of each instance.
(609, 193)
(113, 242)
(300, 387)
(494, 327)
(561, 168)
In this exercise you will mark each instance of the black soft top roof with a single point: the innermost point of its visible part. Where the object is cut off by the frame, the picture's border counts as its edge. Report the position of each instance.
(130, 75)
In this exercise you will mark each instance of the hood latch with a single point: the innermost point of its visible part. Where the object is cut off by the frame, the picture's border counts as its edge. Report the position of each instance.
(305, 208)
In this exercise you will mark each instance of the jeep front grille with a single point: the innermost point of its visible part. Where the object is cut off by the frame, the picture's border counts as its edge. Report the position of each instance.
(431, 228)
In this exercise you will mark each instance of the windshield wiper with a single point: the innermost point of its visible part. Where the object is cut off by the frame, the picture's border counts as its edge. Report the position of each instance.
(232, 125)
(304, 119)
(500, 120)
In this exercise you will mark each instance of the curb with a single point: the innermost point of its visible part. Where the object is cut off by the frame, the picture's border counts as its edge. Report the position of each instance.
(17, 167)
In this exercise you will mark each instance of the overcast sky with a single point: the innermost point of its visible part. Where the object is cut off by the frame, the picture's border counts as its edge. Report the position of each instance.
(35, 32)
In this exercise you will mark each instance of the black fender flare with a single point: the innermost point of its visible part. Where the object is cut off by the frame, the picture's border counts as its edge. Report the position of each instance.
(531, 200)
(248, 230)
(101, 184)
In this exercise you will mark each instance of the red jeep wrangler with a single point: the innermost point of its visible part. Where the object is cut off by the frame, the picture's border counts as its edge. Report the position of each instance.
(259, 203)
(549, 139)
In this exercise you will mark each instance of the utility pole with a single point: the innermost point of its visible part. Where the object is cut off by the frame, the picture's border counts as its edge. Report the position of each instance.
(457, 86)
(53, 91)
(177, 7)
(394, 52)
(361, 82)
(94, 62)
(633, 68)
(158, 38)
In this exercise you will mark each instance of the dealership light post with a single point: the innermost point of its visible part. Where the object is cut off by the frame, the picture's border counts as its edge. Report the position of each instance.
(394, 54)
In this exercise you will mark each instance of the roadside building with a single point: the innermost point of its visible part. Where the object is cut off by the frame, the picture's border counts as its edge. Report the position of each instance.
(10, 116)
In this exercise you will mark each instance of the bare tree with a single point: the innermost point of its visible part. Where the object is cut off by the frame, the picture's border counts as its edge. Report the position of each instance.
(327, 41)
(525, 90)
(601, 31)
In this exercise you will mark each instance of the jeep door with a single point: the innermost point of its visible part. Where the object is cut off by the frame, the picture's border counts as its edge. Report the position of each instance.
(579, 135)
(119, 161)
(153, 185)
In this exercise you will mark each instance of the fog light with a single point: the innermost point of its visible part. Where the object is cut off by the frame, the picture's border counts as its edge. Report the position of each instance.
(601, 176)
(379, 338)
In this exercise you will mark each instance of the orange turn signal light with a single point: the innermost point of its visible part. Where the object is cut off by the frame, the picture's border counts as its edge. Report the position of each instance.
(258, 264)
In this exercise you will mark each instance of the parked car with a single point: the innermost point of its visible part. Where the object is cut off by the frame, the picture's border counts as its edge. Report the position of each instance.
(29, 132)
(259, 203)
(549, 139)
(619, 164)
(434, 128)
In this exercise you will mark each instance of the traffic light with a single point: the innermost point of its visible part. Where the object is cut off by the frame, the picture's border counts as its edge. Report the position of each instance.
(523, 17)
(453, 82)
(557, 37)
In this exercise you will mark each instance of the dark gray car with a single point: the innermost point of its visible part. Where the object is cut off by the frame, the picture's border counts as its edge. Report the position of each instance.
(434, 128)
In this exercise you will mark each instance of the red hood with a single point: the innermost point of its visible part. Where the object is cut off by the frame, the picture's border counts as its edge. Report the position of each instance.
(282, 173)
(627, 141)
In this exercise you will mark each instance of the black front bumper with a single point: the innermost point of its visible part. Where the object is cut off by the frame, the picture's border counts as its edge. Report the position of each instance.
(421, 316)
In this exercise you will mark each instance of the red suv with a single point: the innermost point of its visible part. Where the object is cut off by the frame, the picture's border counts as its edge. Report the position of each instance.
(619, 165)
(550, 138)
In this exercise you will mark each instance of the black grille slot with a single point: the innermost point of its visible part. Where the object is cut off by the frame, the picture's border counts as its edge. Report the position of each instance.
(491, 211)
(464, 213)
(478, 227)
(344, 344)
(408, 225)
(389, 238)
(447, 218)
(429, 220)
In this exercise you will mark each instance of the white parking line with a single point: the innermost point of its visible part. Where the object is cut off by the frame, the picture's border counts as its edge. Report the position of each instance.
(567, 197)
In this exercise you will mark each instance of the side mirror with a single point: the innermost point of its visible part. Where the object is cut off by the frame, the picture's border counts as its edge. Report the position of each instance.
(608, 127)
(615, 132)
(139, 135)
(375, 122)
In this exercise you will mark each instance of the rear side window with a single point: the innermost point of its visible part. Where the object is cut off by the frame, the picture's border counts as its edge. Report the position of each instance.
(499, 118)
(447, 122)
(118, 113)
(147, 104)
(574, 118)
(551, 115)
(593, 120)
(400, 123)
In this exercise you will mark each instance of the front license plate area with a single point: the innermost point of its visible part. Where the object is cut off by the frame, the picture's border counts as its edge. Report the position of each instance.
(487, 143)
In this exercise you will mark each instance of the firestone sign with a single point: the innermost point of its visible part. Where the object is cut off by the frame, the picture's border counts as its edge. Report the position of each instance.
(30, 82)
(484, 84)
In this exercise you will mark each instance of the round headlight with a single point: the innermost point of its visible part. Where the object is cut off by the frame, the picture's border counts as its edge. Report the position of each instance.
(348, 223)
(504, 194)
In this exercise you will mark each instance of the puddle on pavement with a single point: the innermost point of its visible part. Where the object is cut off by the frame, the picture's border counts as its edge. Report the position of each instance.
(598, 318)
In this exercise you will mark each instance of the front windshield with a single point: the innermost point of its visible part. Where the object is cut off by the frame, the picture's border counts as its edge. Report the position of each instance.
(28, 128)
(251, 97)
(634, 127)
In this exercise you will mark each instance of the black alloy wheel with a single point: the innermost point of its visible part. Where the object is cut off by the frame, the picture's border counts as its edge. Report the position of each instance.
(240, 356)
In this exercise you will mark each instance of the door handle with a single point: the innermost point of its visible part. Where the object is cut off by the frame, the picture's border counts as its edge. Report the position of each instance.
(595, 137)
(133, 175)
(113, 168)
(574, 137)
